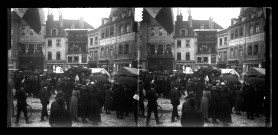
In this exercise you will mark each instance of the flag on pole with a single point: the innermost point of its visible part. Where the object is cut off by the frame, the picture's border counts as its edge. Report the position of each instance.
(34, 17)
(164, 16)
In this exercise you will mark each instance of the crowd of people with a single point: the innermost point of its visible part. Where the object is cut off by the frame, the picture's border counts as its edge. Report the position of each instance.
(215, 99)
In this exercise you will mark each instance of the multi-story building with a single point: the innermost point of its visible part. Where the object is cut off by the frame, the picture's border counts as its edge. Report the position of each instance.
(156, 45)
(223, 47)
(77, 47)
(206, 53)
(93, 44)
(117, 44)
(184, 39)
(56, 40)
(30, 47)
(246, 43)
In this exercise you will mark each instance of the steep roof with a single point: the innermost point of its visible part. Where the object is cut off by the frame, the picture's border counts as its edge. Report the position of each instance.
(68, 23)
(197, 23)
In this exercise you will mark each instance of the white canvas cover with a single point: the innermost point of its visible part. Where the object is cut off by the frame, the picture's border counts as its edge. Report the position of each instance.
(231, 71)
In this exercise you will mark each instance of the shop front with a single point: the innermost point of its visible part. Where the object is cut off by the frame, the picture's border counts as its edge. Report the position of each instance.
(160, 64)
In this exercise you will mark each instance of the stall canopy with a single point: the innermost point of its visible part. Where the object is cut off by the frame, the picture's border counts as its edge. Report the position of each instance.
(127, 71)
(100, 71)
(255, 71)
(231, 71)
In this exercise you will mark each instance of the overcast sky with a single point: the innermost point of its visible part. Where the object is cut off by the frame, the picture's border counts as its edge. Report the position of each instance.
(93, 16)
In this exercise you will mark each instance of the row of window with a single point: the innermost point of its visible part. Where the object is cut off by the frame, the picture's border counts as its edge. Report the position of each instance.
(106, 52)
(122, 29)
(58, 43)
(187, 43)
(49, 55)
(187, 56)
(238, 32)
(251, 50)
(92, 40)
(220, 41)
(160, 31)
(93, 55)
(75, 59)
(205, 59)
(30, 48)
(160, 49)
(24, 31)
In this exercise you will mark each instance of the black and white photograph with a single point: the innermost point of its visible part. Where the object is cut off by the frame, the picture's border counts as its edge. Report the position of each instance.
(139, 67)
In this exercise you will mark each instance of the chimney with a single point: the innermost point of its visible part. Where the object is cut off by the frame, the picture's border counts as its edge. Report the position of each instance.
(81, 23)
(210, 23)
(179, 17)
(61, 19)
(50, 17)
(189, 18)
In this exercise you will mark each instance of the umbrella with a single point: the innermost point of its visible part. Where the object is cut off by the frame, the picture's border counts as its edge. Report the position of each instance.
(127, 80)
(99, 78)
(256, 81)
(230, 78)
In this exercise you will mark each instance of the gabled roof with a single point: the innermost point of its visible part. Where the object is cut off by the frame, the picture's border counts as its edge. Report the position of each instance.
(68, 23)
(197, 23)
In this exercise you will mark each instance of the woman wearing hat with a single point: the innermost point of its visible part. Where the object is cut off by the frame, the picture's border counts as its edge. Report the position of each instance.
(73, 107)
(204, 107)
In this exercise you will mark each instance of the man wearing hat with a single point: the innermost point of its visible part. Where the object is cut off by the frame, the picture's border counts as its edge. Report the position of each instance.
(175, 101)
(21, 97)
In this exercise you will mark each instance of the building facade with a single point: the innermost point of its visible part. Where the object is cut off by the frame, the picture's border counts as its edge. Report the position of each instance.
(117, 44)
(184, 39)
(77, 47)
(206, 47)
(56, 41)
(247, 40)
(156, 45)
(93, 44)
(223, 47)
(31, 48)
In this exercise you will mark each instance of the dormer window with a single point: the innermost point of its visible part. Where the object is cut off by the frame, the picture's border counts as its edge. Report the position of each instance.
(72, 26)
(31, 31)
(184, 32)
(54, 32)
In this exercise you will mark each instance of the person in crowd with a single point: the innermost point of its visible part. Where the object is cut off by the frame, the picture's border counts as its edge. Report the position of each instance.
(73, 108)
(238, 100)
(21, 97)
(204, 107)
(59, 116)
(191, 117)
(68, 91)
(251, 100)
(199, 91)
(214, 103)
(225, 105)
(101, 97)
(141, 99)
(175, 101)
(152, 96)
(44, 97)
(108, 99)
(83, 102)
(136, 100)
(94, 111)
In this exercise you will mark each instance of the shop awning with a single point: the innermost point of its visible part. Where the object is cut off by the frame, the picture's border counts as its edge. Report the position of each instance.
(128, 71)
(255, 71)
